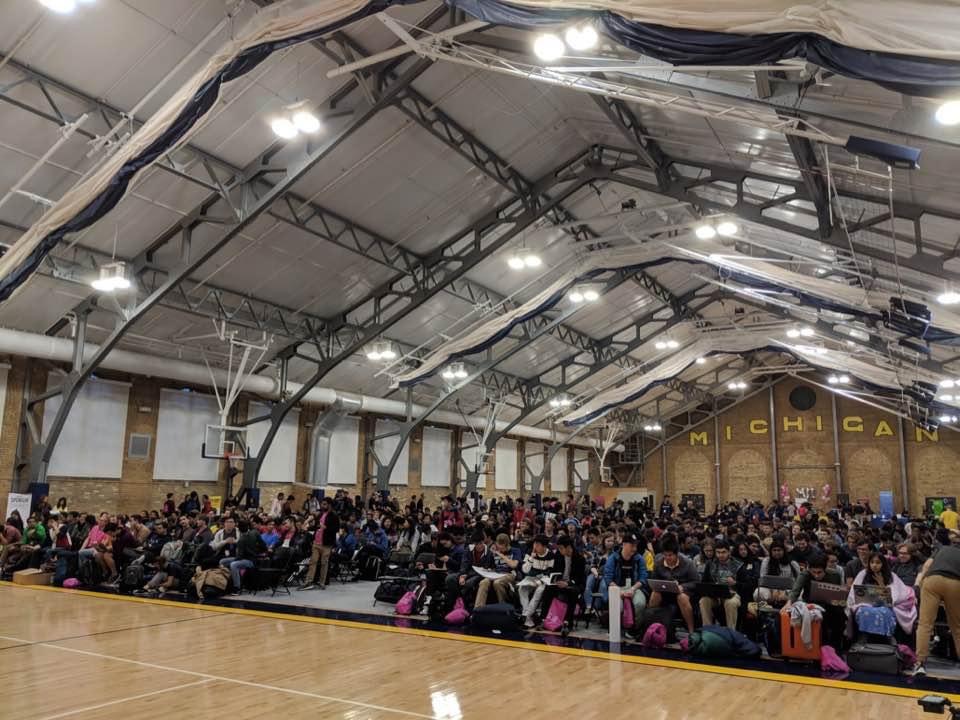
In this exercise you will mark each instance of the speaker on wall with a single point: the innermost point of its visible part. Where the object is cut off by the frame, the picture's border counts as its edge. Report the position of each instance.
(802, 398)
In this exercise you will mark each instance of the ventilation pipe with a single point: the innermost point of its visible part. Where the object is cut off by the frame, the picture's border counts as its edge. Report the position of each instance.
(18, 342)
(320, 437)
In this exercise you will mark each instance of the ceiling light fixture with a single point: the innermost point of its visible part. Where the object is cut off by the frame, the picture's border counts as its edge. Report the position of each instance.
(583, 37)
(705, 232)
(60, 6)
(727, 228)
(524, 258)
(560, 401)
(667, 344)
(548, 47)
(305, 121)
(949, 113)
(700, 360)
(946, 398)
(947, 384)
(652, 427)
(838, 379)
(584, 294)
(113, 277)
(284, 128)
(455, 371)
(949, 298)
(737, 385)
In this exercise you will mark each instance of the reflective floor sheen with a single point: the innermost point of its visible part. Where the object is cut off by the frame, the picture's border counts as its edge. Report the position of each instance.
(65, 655)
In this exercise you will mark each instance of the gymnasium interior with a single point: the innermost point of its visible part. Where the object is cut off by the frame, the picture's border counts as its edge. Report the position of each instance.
(418, 359)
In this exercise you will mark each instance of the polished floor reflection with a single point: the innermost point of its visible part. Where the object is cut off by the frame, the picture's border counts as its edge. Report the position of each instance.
(76, 656)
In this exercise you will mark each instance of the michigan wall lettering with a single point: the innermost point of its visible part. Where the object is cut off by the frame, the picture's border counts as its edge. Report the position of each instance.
(799, 424)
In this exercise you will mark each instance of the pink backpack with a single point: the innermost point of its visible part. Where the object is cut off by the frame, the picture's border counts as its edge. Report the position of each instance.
(831, 663)
(71, 583)
(655, 636)
(555, 615)
(459, 615)
(406, 603)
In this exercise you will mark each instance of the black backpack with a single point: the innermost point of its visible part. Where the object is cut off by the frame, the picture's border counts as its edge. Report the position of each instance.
(131, 578)
(501, 617)
(390, 591)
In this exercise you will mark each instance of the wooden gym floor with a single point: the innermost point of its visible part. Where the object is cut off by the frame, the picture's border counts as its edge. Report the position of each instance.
(82, 655)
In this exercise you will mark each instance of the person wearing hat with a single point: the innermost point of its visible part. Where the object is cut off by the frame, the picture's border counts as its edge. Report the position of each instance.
(627, 568)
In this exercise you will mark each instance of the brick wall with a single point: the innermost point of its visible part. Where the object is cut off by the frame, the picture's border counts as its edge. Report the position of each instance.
(869, 451)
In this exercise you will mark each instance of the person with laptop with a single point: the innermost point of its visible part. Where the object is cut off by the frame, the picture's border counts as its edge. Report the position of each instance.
(718, 586)
(879, 613)
(939, 582)
(679, 570)
(776, 565)
(834, 616)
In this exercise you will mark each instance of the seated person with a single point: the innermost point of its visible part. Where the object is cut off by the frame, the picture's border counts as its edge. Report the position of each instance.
(568, 587)
(834, 616)
(537, 566)
(907, 566)
(448, 561)
(882, 620)
(776, 565)
(627, 568)
(671, 565)
(595, 565)
(505, 560)
(374, 543)
(165, 579)
(721, 570)
(270, 535)
(465, 583)
(249, 547)
(224, 543)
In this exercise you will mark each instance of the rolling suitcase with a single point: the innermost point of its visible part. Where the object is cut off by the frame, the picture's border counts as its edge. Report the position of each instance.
(791, 643)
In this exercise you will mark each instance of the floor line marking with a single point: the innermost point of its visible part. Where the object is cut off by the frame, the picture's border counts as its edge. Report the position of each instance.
(209, 676)
(118, 701)
(610, 656)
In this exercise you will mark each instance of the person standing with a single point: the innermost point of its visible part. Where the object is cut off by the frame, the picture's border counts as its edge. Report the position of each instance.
(324, 541)
(939, 582)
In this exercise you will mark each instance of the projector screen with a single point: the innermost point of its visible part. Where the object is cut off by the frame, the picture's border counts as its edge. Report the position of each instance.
(91, 444)
(344, 452)
(506, 465)
(280, 465)
(435, 468)
(386, 446)
(181, 424)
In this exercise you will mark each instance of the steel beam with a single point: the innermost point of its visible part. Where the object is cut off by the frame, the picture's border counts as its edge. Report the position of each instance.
(814, 183)
(623, 118)
(190, 262)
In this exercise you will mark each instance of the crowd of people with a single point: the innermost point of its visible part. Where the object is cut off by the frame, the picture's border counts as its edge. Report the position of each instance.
(669, 561)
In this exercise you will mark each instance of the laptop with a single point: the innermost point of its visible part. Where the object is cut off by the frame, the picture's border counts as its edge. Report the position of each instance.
(827, 593)
(671, 587)
(873, 595)
(776, 582)
(713, 590)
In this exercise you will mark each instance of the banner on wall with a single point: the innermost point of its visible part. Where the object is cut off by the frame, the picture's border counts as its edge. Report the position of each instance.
(886, 504)
(20, 502)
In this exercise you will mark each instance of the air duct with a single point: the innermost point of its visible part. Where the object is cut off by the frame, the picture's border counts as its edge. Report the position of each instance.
(18, 342)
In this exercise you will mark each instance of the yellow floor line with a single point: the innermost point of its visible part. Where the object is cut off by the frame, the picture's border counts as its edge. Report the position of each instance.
(519, 644)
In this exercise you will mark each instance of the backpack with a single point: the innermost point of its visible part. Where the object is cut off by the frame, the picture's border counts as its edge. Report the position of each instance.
(555, 615)
(391, 591)
(459, 615)
(498, 617)
(132, 577)
(406, 604)
(655, 636)
(831, 663)
(66, 568)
